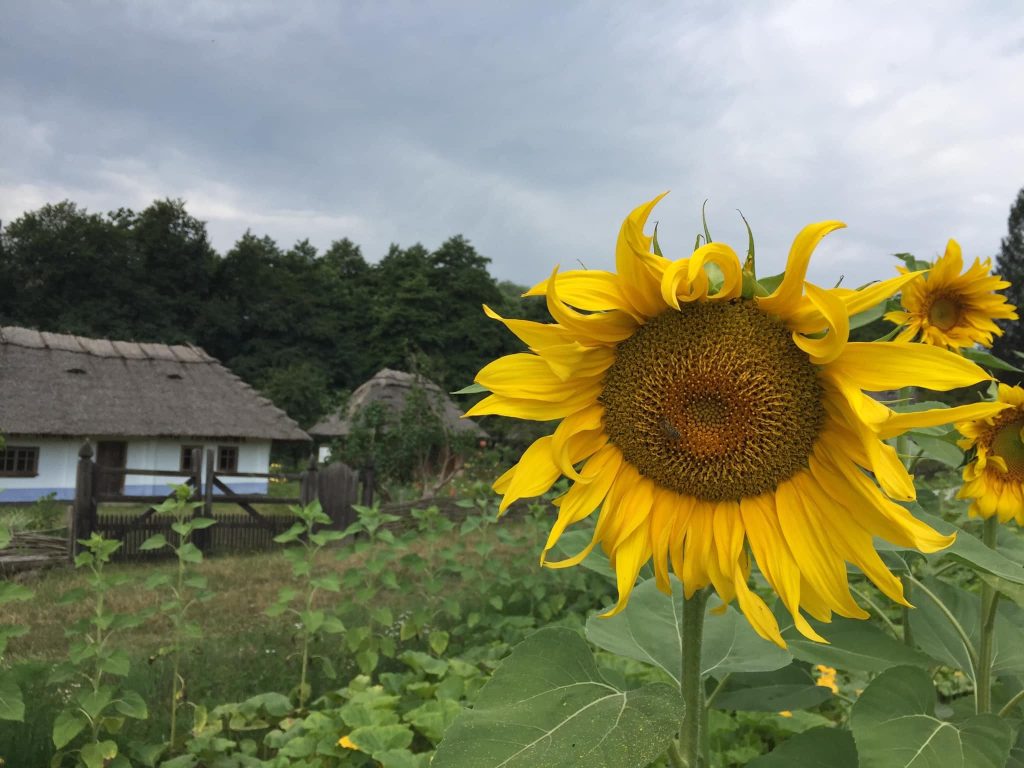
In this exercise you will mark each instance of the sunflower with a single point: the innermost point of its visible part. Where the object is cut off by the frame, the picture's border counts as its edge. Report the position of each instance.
(994, 479)
(951, 310)
(712, 428)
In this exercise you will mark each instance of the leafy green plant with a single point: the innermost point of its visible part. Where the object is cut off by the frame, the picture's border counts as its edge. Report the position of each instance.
(12, 704)
(97, 704)
(308, 538)
(183, 591)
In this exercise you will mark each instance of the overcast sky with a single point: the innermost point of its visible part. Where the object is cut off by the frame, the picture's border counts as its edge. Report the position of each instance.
(532, 128)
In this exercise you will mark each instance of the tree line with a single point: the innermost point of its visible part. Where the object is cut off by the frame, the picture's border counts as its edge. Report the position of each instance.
(303, 327)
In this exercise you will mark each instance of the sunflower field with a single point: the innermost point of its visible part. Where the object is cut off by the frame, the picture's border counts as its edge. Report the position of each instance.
(772, 524)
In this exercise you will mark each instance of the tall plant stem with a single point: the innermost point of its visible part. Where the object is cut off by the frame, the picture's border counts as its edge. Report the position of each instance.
(176, 672)
(903, 451)
(690, 683)
(989, 603)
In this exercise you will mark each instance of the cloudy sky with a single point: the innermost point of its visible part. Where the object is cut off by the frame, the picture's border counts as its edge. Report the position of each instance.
(530, 127)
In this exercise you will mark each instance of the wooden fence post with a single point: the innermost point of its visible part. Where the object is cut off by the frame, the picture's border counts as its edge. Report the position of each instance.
(83, 516)
(308, 490)
(197, 472)
(208, 484)
(368, 478)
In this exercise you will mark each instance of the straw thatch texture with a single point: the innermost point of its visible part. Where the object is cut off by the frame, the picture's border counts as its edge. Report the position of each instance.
(54, 384)
(391, 388)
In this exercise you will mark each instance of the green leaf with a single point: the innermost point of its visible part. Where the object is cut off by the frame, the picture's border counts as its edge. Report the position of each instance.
(816, 748)
(790, 688)
(10, 592)
(131, 704)
(97, 754)
(472, 389)
(330, 583)
(116, 663)
(547, 706)
(934, 632)
(894, 725)
(155, 541)
(972, 552)
(433, 718)
(649, 630)
(853, 644)
(190, 553)
(67, 725)
(199, 523)
(382, 615)
(868, 316)
(573, 542)
(374, 739)
(438, 641)
(12, 705)
(987, 359)
(936, 448)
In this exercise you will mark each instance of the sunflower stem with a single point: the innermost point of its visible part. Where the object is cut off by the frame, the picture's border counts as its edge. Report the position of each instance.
(989, 603)
(906, 395)
(691, 683)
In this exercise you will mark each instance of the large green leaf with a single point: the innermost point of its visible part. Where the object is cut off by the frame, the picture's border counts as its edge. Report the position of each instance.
(894, 725)
(940, 449)
(972, 552)
(816, 748)
(791, 687)
(650, 630)
(12, 706)
(573, 542)
(854, 645)
(68, 724)
(936, 634)
(547, 706)
(987, 359)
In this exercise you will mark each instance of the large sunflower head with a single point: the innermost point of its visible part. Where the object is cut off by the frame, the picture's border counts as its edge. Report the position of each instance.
(715, 426)
(953, 310)
(994, 478)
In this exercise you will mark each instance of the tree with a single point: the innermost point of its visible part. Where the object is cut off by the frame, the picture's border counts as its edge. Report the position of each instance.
(1010, 265)
(64, 269)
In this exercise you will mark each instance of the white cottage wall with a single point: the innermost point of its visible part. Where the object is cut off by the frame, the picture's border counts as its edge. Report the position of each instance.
(58, 460)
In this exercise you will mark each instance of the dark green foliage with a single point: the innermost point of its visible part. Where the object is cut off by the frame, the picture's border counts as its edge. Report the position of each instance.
(298, 325)
(1010, 265)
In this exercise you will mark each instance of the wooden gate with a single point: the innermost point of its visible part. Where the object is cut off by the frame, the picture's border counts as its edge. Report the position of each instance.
(336, 488)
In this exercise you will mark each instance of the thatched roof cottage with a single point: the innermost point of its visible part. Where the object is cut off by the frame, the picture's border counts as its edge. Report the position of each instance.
(391, 389)
(145, 406)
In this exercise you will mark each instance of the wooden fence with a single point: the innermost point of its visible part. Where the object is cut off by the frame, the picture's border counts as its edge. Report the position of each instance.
(335, 486)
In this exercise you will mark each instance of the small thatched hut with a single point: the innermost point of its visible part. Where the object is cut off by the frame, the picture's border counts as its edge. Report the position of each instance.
(146, 406)
(391, 389)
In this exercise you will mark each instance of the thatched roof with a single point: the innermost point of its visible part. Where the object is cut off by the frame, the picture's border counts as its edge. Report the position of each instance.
(391, 388)
(53, 384)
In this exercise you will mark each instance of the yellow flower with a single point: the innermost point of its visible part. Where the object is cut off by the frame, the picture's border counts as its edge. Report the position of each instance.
(786, 713)
(951, 310)
(347, 743)
(709, 427)
(827, 678)
(995, 478)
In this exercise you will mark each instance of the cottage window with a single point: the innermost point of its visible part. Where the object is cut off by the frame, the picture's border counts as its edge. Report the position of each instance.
(19, 462)
(227, 458)
(186, 458)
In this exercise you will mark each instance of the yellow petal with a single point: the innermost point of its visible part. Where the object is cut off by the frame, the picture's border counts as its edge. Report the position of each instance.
(828, 347)
(535, 410)
(785, 299)
(627, 559)
(532, 334)
(535, 473)
(898, 423)
(757, 613)
(881, 365)
(593, 290)
(583, 498)
(639, 269)
(593, 329)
